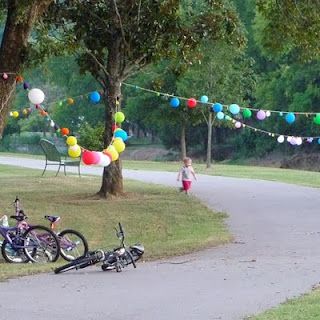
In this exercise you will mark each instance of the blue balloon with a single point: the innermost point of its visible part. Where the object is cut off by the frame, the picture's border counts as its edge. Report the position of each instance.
(234, 108)
(220, 115)
(204, 99)
(119, 133)
(290, 117)
(174, 102)
(217, 107)
(94, 97)
(228, 118)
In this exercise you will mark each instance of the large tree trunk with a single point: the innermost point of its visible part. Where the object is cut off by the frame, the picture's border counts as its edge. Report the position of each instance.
(19, 22)
(209, 142)
(112, 180)
(183, 144)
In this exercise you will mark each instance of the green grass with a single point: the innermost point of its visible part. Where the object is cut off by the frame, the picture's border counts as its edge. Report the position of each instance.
(306, 307)
(165, 221)
(300, 177)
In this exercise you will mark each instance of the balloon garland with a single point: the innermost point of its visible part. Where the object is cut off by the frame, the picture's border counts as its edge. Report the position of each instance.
(221, 110)
(111, 153)
(235, 110)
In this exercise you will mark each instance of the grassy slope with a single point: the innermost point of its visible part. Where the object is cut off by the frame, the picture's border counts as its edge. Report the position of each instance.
(165, 221)
(306, 307)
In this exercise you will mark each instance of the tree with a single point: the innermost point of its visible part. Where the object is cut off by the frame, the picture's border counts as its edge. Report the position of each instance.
(21, 15)
(120, 37)
(294, 26)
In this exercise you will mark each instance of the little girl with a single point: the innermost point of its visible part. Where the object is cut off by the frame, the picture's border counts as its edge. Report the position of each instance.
(185, 172)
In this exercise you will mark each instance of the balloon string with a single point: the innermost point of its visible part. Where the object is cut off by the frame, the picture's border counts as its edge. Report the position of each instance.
(211, 103)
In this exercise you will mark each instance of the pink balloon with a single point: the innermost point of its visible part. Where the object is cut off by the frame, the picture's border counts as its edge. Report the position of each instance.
(90, 157)
(261, 115)
(238, 125)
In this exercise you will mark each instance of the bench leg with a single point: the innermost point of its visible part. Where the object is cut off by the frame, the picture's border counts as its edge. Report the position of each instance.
(64, 169)
(58, 169)
(44, 170)
(79, 170)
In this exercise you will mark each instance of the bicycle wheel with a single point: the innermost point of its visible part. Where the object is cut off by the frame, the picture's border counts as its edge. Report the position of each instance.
(72, 244)
(13, 255)
(82, 262)
(41, 244)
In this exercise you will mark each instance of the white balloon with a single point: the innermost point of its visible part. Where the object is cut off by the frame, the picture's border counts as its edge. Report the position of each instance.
(268, 113)
(289, 139)
(52, 123)
(280, 139)
(104, 160)
(299, 141)
(36, 96)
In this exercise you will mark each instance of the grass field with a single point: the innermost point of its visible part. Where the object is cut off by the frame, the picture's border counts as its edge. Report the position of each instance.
(156, 216)
(306, 307)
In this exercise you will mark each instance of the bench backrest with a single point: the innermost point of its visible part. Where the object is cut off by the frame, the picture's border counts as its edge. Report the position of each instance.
(50, 150)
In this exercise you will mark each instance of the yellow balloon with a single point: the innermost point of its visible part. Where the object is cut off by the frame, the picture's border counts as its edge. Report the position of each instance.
(71, 141)
(114, 153)
(74, 151)
(70, 101)
(119, 144)
(15, 114)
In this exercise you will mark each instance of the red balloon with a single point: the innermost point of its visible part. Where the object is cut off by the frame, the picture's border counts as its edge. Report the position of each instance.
(90, 157)
(114, 127)
(191, 103)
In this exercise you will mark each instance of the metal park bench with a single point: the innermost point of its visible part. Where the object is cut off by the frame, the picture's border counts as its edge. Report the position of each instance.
(54, 157)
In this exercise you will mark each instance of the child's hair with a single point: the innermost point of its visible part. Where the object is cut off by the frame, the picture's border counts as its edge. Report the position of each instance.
(187, 161)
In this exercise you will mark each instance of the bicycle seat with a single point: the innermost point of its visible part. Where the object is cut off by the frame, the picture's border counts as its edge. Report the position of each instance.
(19, 218)
(52, 219)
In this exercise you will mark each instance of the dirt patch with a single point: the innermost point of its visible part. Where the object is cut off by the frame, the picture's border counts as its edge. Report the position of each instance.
(149, 154)
(310, 162)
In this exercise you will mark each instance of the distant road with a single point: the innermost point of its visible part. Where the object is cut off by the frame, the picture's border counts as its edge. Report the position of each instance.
(275, 256)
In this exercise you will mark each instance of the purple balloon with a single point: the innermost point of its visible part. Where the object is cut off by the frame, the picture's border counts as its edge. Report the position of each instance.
(261, 115)
(238, 125)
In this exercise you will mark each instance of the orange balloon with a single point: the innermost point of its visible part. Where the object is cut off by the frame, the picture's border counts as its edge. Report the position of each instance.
(19, 78)
(64, 131)
(107, 153)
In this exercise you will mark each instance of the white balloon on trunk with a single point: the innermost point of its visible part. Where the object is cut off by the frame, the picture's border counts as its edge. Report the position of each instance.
(36, 96)
(104, 160)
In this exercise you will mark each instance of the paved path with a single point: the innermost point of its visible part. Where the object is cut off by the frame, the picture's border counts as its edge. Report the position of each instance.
(274, 257)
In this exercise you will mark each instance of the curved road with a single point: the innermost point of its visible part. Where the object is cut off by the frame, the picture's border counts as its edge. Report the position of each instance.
(274, 257)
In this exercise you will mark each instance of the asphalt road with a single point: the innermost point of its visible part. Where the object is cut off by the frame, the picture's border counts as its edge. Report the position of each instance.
(274, 257)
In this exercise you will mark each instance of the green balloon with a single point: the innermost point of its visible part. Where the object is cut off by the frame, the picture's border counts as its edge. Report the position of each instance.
(246, 113)
(316, 119)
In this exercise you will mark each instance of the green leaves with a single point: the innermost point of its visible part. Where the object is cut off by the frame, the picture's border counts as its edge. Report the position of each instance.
(294, 25)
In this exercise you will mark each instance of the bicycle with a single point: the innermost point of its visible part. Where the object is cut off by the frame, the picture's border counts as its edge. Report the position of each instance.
(24, 243)
(71, 242)
(116, 259)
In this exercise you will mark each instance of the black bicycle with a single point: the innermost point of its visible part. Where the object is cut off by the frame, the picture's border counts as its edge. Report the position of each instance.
(116, 259)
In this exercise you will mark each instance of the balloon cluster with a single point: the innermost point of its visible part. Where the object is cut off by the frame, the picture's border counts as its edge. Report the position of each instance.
(36, 97)
(112, 152)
